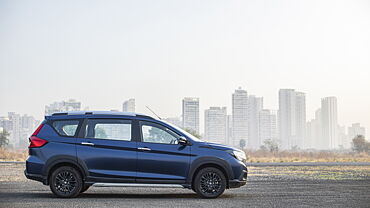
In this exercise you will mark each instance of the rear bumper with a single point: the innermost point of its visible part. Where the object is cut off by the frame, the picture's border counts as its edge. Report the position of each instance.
(35, 177)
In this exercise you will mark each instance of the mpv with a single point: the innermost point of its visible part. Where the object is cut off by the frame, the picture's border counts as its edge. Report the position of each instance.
(75, 150)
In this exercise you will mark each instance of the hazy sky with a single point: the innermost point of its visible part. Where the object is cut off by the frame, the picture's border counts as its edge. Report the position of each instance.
(104, 52)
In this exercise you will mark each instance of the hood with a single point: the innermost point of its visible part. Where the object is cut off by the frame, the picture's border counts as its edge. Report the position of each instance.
(219, 146)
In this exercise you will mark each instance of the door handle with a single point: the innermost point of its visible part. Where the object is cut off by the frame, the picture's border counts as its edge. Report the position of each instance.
(144, 148)
(87, 143)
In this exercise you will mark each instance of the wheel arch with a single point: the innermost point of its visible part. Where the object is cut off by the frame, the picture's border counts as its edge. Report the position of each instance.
(53, 165)
(210, 162)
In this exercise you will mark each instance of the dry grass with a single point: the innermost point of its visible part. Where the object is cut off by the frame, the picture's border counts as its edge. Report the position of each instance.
(319, 156)
(13, 155)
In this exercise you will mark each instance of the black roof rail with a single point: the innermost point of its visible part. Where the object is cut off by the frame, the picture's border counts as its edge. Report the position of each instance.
(100, 113)
(59, 114)
(144, 116)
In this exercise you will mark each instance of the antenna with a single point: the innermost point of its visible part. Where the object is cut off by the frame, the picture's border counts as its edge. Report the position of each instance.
(153, 113)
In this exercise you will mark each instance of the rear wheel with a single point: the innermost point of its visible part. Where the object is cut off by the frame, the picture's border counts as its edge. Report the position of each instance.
(66, 182)
(209, 183)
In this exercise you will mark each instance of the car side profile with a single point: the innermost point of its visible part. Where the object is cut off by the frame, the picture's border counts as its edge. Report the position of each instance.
(73, 151)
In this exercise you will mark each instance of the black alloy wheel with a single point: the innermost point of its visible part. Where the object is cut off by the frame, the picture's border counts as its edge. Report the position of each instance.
(66, 182)
(210, 183)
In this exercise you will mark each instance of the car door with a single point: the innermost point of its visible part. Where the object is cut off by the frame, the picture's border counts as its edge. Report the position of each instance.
(108, 150)
(160, 157)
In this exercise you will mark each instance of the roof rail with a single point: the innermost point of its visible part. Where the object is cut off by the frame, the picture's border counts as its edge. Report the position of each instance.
(99, 113)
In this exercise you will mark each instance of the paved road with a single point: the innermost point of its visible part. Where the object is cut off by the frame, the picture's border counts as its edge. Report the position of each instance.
(268, 186)
(265, 164)
(257, 193)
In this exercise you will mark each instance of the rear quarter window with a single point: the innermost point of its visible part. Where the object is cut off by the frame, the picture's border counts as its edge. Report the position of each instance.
(66, 127)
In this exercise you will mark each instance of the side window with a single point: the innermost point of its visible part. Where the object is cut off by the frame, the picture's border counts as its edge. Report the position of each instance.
(66, 127)
(113, 129)
(153, 133)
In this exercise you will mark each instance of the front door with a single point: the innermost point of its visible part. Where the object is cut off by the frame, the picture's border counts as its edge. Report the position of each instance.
(160, 157)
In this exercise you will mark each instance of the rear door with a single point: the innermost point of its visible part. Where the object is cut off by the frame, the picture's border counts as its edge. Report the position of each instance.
(160, 157)
(107, 150)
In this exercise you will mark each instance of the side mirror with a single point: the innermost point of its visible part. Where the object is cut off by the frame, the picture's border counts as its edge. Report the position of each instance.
(183, 141)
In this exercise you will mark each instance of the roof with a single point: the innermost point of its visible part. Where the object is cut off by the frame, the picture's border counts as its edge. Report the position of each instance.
(98, 113)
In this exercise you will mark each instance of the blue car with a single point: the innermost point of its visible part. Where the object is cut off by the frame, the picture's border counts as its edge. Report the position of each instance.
(75, 150)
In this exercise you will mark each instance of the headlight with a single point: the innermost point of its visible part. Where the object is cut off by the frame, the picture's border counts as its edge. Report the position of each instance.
(239, 155)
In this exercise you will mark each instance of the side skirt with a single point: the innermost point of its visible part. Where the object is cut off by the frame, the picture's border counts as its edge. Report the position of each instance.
(144, 185)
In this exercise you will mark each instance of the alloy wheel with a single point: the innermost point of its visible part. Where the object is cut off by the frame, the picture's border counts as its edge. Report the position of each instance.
(210, 183)
(65, 182)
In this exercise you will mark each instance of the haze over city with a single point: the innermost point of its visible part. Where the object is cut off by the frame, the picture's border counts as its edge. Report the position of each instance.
(192, 103)
(101, 54)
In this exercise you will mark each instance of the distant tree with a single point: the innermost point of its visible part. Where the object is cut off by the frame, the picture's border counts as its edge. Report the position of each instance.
(263, 148)
(242, 143)
(192, 132)
(270, 145)
(4, 138)
(359, 144)
(295, 148)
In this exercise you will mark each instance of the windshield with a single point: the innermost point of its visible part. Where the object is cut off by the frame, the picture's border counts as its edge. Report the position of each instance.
(183, 132)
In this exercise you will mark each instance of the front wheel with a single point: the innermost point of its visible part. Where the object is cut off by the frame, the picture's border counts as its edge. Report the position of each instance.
(66, 182)
(209, 183)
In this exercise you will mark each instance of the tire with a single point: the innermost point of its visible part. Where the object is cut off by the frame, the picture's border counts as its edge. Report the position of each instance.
(85, 187)
(209, 183)
(66, 182)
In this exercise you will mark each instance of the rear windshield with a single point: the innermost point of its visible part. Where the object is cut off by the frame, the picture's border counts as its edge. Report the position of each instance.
(66, 127)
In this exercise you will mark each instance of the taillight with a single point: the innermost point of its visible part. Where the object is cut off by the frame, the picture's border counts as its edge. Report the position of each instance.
(35, 141)
(37, 130)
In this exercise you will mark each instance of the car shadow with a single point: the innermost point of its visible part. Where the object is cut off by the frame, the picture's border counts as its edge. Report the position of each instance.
(116, 195)
(135, 195)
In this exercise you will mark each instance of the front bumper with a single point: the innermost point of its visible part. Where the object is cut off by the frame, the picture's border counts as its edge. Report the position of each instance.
(241, 181)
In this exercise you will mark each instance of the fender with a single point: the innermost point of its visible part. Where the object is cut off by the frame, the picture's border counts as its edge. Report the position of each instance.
(62, 159)
(208, 160)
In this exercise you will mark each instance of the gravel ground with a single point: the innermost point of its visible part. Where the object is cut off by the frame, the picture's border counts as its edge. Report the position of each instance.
(273, 186)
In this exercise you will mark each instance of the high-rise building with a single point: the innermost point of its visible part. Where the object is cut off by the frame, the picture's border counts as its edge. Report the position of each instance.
(255, 105)
(267, 127)
(15, 130)
(292, 118)
(310, 131)
(329, 119)
(354, 130)
(300, 120)
(215, 125)
(128, 105)
(69, 105)
(342, 138)
(240, 116)
(19, 128)
(229, 129)
(314, 132)
(190, 113)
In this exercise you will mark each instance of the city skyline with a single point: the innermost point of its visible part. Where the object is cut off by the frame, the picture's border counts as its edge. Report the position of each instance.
(253, 122)
(40, 110)
(142, 108)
